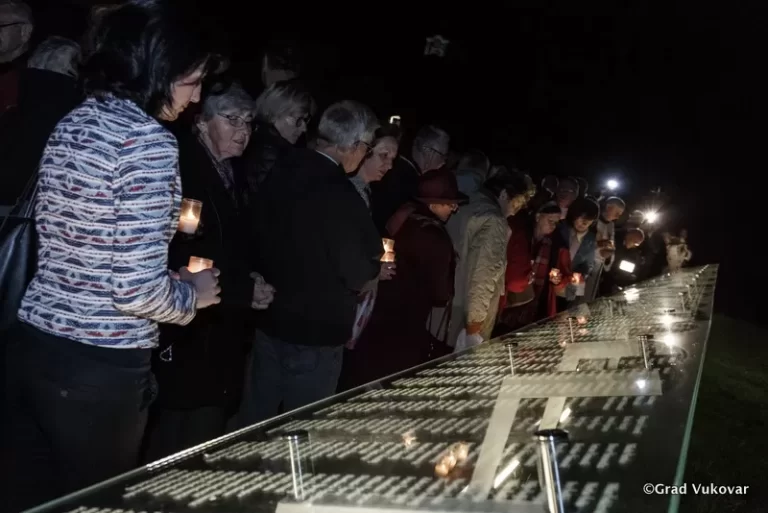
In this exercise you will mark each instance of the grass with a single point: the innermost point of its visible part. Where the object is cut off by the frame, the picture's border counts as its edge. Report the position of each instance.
(729, 444)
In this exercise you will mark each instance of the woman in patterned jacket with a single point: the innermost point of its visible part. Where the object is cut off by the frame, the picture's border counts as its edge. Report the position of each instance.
(107, 205)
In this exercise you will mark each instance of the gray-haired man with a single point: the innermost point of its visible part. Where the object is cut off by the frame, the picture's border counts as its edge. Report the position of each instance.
(319, 248)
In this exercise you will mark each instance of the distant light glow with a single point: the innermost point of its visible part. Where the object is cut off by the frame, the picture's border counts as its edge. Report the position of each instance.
(667, 320)
(670, 339)
(394, 120)
(641, 384)
(612, 184)
(627, 266)
(564, 416)
(651, 216)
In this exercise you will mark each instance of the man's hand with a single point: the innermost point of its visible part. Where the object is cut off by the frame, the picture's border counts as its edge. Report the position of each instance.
(387, 271)
(263, 293)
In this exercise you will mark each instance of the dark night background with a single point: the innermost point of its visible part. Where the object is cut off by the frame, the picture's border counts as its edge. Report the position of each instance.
(653, 97)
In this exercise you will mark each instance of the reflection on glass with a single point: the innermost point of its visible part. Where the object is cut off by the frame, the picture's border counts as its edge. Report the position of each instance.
(505, 473)
(549, 473)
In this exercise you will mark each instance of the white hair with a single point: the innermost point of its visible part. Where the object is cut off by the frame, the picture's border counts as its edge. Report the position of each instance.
(233, 98)
(57, 54)
(347, 123)
(431, 137)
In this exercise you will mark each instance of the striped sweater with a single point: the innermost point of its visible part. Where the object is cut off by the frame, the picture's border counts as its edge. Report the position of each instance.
(107, 206)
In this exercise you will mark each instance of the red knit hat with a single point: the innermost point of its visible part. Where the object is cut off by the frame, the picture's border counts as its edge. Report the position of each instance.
(440, 187)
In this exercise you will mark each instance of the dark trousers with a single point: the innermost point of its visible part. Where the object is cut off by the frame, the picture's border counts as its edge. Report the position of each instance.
(289, 374)
(171, 431)
(75, 415)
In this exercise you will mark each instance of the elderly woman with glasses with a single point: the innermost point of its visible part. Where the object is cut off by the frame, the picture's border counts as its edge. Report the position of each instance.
(381, 156)
(200, 367)
(282, 115)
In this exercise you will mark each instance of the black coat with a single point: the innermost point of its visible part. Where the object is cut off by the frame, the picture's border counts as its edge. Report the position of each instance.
(45, 97)
(394, 190)
(316, 243)
(208, 355)
(263, 151)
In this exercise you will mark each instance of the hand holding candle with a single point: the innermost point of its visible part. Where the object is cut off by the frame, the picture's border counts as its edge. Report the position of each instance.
(189, 218)
(577, 278)
(205, 281)
(555, 277)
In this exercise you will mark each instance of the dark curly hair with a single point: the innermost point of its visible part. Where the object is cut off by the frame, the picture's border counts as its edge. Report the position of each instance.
(583, 207)
(141, 48)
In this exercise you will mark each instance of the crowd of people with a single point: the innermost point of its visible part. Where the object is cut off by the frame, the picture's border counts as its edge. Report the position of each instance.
(340, 253)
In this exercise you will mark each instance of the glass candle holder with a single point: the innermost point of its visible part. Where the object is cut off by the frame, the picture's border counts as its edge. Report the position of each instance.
(190, 215)
(388, 257)
(389, 245)
(197, 264)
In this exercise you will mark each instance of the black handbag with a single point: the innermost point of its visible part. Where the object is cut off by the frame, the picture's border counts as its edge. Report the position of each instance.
(18, 253)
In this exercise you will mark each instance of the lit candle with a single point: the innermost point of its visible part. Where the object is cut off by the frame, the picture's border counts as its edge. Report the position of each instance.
(389, 245)
(190, 215)
(389, 250)
(577, 278)
(197, 264)
(554, 274)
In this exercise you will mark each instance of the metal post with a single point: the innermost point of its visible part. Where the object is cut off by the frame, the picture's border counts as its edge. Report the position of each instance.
(682, 299)
(644, 349)
(610, 308)
(570, 325)
(297, 441)
(510, 345)
(549, 473)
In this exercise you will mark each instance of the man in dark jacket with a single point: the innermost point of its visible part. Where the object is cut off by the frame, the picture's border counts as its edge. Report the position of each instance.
(317, 245)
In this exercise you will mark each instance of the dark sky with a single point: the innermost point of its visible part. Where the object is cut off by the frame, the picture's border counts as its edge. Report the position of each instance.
(655, 97)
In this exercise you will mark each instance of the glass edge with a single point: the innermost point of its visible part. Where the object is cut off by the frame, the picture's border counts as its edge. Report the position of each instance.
(674, 503)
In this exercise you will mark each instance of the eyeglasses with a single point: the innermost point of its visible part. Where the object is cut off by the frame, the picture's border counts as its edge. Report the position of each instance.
(444, 155)
(300, 121)
(369, 148)
(236, 121)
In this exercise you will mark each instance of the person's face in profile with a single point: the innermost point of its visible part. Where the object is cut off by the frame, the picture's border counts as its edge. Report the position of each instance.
(612, 212)
(184, 91)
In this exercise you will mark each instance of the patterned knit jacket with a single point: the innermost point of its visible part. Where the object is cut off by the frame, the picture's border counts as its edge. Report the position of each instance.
(106, 209)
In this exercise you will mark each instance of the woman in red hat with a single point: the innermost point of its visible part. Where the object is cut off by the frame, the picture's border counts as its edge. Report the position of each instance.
(397, 337)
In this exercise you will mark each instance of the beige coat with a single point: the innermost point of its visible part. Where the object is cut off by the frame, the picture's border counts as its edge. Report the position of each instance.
(479, 234)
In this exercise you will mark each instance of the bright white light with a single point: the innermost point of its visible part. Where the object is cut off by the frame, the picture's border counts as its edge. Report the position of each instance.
(612, 184)
(627, 266)
(394, 120)
(670, 339)
(564, 416)
(632, 295)
(667, 320)
(641, 384)
(651, 216)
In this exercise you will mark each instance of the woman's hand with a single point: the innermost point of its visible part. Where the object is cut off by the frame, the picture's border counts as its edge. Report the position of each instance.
(387, 271)
(263, 293)
(555, 277)
(577, 278)
(206, 284)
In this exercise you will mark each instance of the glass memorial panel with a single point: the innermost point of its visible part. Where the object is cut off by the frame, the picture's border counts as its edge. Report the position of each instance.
(608, 386)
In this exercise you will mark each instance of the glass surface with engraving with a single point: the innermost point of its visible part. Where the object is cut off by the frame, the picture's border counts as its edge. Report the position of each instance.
(574, 413)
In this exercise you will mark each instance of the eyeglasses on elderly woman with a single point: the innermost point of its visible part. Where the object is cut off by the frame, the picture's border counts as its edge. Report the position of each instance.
(237, 121)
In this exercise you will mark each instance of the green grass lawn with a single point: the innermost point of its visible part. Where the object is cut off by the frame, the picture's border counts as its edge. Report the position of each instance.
(729, 444)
